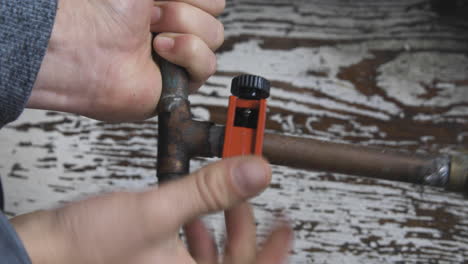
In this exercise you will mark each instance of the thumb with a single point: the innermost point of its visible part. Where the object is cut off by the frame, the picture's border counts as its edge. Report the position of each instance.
(215, 187)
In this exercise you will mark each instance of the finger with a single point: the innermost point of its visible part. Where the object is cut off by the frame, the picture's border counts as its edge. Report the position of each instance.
(171, 251)
(200, 242)
(182, 18)
(189, 52)
(213, 7)
(215, 187)
(277, 247)
(242, 243)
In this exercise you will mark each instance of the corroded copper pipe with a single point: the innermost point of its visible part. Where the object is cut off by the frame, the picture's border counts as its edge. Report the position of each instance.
(174, 114)
(356, 160)
(312, 154)
(181, 138)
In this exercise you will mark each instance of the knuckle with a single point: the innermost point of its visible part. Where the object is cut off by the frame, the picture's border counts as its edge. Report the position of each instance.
(210, 192)
(220, 35)
(189, 47)
(212, 65)
(192, 45)
(179, 12)
(148, 210)
(198, 52)
(219, 8)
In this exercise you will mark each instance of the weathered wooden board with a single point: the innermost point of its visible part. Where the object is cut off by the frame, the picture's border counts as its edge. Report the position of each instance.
(385, 73)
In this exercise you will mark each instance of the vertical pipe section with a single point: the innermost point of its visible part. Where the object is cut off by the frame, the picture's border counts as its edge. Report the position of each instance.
(174, 109)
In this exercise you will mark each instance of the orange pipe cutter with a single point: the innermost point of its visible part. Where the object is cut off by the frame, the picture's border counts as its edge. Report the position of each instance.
(245, 124)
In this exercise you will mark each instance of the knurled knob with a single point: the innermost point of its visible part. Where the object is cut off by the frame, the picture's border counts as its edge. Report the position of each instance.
(250, 87)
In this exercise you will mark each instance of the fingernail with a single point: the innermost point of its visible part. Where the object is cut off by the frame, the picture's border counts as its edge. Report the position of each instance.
(156, 15)
(164, 43)
(250, 176)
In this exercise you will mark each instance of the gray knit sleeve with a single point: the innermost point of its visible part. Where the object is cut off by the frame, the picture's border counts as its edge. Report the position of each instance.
(11, 248)
(25, 28)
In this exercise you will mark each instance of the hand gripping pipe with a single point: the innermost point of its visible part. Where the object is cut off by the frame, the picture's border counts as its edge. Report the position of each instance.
(181, 138)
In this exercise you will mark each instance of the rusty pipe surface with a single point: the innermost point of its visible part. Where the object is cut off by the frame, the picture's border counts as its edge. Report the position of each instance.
(181, 138)
(393, 165)
(174, 110)
(442, 170)
(312, 154)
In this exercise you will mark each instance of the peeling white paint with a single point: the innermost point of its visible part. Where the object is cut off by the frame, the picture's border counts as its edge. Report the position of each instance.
(339, 219)
(403, 78)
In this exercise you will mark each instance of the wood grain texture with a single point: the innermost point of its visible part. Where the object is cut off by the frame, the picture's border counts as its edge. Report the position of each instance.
(383, 73)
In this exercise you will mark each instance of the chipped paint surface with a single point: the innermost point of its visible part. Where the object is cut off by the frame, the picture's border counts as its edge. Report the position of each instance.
(439, 83)
(386, 73)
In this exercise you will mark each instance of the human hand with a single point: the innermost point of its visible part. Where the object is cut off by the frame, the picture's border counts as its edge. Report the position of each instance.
(142, 228)
(98, 62)
(241, 244)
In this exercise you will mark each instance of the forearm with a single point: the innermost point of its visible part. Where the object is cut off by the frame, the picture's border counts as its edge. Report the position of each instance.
(25, 30)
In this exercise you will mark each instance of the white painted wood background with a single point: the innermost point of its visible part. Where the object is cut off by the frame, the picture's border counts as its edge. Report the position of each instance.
(385, 73)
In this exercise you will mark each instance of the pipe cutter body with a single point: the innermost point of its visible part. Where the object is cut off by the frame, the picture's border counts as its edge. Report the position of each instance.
(245, 124)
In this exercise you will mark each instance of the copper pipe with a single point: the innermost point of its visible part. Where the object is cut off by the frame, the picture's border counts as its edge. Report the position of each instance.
(206, 139)
(318, 155)
(312, 154)
(174, 112)
(181, 138)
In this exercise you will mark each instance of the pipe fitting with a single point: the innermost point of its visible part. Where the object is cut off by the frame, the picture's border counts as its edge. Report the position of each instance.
(458, 180)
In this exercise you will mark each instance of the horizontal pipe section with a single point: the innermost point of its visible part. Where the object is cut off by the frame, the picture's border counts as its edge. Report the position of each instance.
(356, 160)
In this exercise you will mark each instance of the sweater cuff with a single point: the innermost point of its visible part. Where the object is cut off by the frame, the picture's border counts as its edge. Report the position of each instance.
(25, 29)
(12, 250)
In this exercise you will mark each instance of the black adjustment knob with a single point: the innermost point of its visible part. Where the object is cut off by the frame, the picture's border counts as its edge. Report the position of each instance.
(250, 87)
